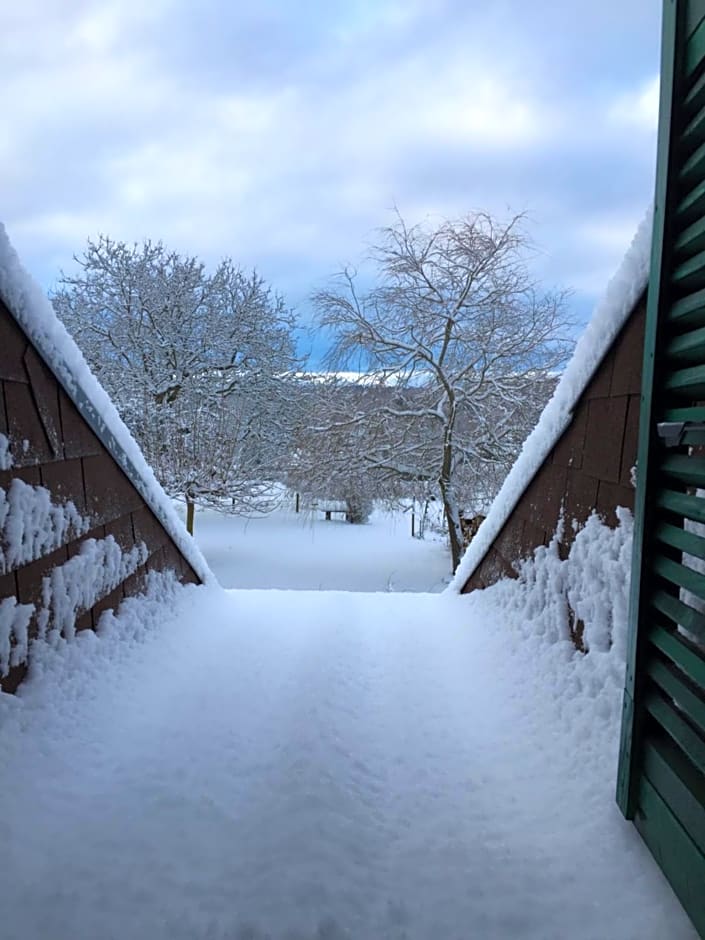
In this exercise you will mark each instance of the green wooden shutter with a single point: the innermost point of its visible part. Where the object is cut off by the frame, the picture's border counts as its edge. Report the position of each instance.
(661, 781)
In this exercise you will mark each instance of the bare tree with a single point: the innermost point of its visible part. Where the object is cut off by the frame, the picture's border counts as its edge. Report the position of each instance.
(196, 362)
(459, 327)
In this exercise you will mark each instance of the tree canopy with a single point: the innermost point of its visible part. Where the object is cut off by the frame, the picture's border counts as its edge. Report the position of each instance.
(197, 362)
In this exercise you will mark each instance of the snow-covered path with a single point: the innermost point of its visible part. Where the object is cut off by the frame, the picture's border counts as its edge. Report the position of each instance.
(318, 765)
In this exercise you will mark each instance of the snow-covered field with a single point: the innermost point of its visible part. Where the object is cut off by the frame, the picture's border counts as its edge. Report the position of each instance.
(318, 765)
(305, 552)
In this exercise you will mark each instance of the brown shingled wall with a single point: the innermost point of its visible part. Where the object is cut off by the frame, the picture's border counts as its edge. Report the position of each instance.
(54, 447)
(588, 468)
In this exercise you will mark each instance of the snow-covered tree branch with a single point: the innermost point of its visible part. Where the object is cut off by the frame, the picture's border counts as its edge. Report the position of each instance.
(199, 364)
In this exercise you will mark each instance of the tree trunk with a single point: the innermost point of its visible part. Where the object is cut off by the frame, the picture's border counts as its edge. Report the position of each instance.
(190, 511)
(423, 520)
(450, 508)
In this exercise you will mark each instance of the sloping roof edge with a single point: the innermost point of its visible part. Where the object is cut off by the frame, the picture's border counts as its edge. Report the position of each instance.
(609, 316)
(33, 311)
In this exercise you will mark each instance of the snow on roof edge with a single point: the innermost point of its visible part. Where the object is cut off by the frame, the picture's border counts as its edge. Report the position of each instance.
(28, 303)
(611, 313)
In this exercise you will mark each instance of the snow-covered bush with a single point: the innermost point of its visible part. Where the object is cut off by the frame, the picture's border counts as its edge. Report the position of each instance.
(359, 509)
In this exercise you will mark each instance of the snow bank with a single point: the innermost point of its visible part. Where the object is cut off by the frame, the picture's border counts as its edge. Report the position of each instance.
(30, 306)
(609, 317)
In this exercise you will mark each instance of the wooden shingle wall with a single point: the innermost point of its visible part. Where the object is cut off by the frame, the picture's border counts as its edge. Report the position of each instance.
(53, 447)
(589, 468)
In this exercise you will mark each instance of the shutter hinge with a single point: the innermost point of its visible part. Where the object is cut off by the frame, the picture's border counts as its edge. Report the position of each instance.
(671, 432)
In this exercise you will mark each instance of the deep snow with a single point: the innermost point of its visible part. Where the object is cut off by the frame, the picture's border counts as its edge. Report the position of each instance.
(242, 765)
(305, 552)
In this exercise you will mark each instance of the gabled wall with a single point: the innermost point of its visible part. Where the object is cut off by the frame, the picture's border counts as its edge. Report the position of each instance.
(589, 467)
(53, 447)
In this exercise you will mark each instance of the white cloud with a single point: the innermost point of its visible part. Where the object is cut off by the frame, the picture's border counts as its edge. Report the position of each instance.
(595, 246)
(610, 233)
(70, 227)
(637, 108)
(115, 126)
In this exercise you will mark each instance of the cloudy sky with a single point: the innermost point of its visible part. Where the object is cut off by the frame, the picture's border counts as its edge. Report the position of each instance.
(281, 133)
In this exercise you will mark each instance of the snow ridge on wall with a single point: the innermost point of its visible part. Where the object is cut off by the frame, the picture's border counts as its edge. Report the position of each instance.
(5, 454)
(14, 637)
(98, 568)
(32, 526)
(610, 315)
(68, 590)
(590, 586)
(32, 309)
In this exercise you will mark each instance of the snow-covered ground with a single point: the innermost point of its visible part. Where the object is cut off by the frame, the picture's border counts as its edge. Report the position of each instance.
(242, 765)
(305, 552)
